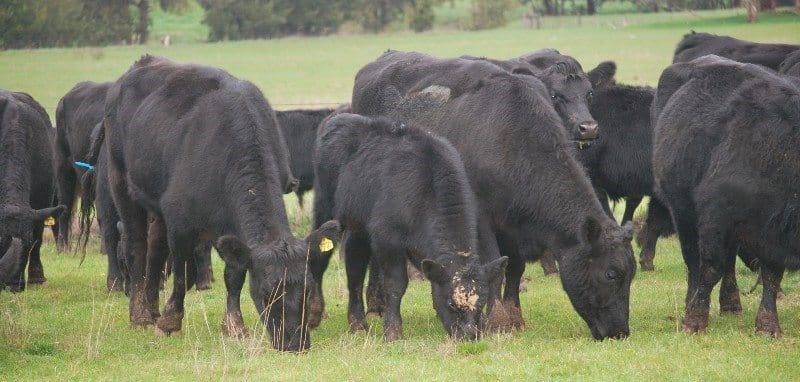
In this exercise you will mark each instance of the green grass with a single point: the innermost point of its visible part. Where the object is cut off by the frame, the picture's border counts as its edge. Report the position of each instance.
(71, 328)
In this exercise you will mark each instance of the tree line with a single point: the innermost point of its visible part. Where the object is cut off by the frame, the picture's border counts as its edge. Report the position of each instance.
(45, 23)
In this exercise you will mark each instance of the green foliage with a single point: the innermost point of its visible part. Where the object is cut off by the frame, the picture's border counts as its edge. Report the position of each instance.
(376, 15)
(421, 16)
(488, 14)
(247, 19)
(40, 23)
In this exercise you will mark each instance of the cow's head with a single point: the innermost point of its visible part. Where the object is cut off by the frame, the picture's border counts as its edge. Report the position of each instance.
(570, 93)
(280, 281)
(596, 274)
(18, 220)
(460, 293)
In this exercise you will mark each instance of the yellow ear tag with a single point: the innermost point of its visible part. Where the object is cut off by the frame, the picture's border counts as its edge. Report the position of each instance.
(325, 244)
(50, 221)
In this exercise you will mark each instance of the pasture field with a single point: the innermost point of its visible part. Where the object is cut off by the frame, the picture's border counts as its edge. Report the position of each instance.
(72, 328)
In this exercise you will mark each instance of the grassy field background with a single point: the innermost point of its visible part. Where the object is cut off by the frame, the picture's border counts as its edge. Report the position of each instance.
(71, 328)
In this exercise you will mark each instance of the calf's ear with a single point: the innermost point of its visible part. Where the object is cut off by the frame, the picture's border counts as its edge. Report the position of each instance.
(591, 230)
(603, 75)
(496, 268)
(433, 270)
(44, 213)
(325, 237)
(234, 252)
(627, 231)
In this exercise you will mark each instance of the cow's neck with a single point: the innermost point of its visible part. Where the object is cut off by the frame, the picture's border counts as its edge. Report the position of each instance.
(258, 207)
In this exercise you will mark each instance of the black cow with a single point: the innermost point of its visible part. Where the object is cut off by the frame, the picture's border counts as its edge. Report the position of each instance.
(694, 45)
(401, 192)
(200, 152)
(532, 193)
(791, 65)
(726, 165)
(299, 128)
(27, 186)
(77, 114)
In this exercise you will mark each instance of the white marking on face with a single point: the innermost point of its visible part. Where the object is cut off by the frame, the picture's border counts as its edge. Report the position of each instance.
(463, 298)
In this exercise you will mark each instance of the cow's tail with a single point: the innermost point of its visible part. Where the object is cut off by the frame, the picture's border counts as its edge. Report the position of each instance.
(88, 188)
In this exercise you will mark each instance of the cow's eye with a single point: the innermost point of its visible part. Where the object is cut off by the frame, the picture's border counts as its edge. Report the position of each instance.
(591, 94)
(611, 274)
(554, 97)
(451, 305)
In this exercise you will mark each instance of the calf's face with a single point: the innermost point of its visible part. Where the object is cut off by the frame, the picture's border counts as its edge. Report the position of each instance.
(281, 282)
(570, 95)
(460, 293)
(597, 275)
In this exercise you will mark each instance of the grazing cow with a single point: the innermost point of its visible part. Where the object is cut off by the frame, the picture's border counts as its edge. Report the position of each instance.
(401, 192)
(726, 166)
(27, 186)
(694, 45)
(532, 193)
(791, 65)
(199, 152)
(299, 129)
(570, 92)
(77, 114)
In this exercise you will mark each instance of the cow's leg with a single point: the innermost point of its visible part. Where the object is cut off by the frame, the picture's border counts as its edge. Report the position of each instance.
(631, 203)
(17, 279)
(134, 218)
(705, 246)
(391, 262)
(182, 249)
(233, 323)
(729, 301)
(67, 191)
(376, 302)
(205, 275)
(357, 249)
(548, 263)
(35, 267)
(657, 223)
(497, 319)
(157, 252)
(767, 318)
(514, 271)
(115, 281)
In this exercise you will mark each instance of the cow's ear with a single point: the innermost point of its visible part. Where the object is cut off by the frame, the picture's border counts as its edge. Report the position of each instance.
(324, 238)
(234, 252)
(591, 230)
(433, 270)
(603, 75)
(627, 231)
(52, 212)
(496, 268)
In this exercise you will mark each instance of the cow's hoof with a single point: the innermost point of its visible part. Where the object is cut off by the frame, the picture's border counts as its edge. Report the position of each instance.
(647, 266)
(36, 276)
(767, 324)
(497, 320)
(169, 324)
(233, 326)
(16, 288)
(695, 323)
(393, 333)
(357, 324)
(515, 315)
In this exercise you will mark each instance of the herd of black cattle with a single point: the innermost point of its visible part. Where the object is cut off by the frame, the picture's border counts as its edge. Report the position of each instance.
(465, 167)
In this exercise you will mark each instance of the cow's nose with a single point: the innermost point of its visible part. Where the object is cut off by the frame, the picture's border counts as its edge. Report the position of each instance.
(588, 130)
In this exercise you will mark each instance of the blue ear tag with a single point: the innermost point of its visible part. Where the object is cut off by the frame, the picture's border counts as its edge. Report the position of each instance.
(85, 165)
